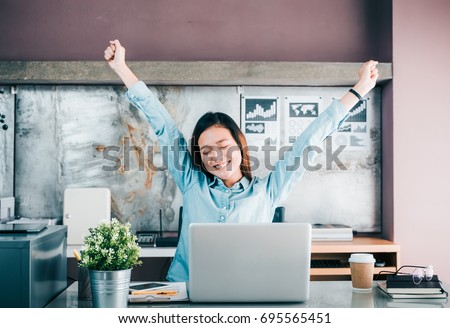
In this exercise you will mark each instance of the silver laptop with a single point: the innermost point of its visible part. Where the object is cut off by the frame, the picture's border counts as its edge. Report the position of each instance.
(249, 262)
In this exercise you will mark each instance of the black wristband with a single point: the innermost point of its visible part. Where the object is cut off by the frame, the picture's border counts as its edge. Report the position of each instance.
(356, 94)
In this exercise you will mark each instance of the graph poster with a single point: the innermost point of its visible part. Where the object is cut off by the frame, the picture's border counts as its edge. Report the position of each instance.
(300, 111)
(261, 121)
(354, 132)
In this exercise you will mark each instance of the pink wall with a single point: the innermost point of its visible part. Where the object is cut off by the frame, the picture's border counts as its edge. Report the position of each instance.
(266, 30)
(421, 62)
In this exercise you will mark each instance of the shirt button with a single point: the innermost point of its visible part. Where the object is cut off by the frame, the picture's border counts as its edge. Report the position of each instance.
(227, 191)
(224, 208)
(221, 218)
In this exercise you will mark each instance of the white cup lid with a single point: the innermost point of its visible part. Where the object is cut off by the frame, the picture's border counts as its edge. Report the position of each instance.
(361, 258)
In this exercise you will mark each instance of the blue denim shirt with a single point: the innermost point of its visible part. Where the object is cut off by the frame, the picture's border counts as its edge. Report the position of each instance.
(206, 200)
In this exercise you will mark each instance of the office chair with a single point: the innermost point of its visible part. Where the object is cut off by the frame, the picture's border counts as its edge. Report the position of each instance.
(277, 217)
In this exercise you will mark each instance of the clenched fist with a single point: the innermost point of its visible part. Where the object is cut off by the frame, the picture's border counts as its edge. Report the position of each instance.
(115, 54)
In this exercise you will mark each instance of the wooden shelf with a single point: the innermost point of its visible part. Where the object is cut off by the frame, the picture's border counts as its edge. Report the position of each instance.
(383, 250)
(358, 244)
(343, 271)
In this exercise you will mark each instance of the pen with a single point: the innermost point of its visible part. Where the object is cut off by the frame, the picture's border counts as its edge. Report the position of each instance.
(155, 292)
(77, 255)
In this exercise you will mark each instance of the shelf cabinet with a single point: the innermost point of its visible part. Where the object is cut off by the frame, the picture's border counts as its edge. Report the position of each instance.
(321, 251)
(384, 251)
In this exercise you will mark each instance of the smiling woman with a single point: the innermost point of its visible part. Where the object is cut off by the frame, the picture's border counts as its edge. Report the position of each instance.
(221, 155)
(216, 180)
(219, 148)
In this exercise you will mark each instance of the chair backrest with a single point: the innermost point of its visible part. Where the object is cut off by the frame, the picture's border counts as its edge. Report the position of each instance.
(277, 217)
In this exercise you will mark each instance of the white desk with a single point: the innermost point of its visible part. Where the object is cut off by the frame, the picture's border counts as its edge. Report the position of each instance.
(145, 251)
(323, 294)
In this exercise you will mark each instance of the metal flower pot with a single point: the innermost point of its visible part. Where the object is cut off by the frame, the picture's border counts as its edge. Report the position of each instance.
(110, 289)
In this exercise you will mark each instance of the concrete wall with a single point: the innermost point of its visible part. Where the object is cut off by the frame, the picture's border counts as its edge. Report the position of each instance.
(421, 52)
(6, 142)
(62, 131)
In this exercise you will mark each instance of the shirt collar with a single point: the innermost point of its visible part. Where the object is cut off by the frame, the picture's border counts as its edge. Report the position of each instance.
(244, 182)
(241, 184)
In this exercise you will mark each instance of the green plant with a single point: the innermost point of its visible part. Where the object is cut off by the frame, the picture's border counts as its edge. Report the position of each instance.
(110, 246)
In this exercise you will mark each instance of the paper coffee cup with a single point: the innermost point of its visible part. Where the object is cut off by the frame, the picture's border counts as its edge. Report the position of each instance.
(361, 267)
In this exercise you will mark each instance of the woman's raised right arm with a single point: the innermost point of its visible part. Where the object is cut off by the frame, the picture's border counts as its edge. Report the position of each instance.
(173, 145)
(115, 55)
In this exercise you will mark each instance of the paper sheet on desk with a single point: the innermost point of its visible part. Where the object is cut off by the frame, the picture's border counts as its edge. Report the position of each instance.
(181, 295)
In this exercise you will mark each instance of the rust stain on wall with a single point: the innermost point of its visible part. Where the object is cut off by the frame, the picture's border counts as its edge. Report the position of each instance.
(141, 145)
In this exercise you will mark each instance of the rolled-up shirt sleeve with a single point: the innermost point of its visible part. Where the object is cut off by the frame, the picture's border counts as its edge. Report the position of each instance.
(173, 144)
(289, 170)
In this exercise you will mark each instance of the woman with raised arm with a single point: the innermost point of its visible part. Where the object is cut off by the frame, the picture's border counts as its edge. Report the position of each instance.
(215, 178)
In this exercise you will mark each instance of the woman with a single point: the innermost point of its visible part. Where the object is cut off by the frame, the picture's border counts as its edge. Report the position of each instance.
(216, 181)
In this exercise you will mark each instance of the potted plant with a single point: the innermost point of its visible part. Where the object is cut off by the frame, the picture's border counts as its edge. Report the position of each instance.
(110, 252)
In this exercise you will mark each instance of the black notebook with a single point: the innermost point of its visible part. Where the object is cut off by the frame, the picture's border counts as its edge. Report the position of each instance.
(404, 284)
(410, 295)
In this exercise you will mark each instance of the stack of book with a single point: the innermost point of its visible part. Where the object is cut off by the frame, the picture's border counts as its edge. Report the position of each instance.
(167, 292)
(403, 287)
(331, 232)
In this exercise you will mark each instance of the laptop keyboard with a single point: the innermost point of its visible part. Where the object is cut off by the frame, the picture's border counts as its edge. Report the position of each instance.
(329, 264)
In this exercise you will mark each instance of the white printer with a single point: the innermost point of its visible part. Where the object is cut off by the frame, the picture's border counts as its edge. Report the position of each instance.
(84, 208)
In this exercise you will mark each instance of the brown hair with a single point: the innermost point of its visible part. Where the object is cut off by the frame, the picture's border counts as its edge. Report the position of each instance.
(223, 120)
